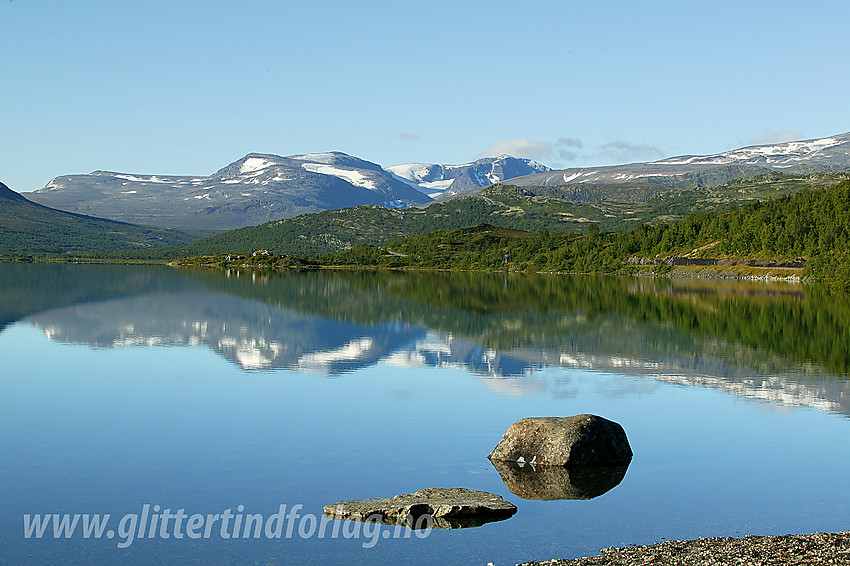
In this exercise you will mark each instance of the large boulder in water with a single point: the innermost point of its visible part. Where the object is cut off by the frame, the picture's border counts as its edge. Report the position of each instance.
(581, 441)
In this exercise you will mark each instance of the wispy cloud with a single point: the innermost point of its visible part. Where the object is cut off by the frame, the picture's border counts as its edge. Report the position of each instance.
(407, 136)
(768, 136)
(519, 147)
(570, 142)
(624, 151)
(566, 151)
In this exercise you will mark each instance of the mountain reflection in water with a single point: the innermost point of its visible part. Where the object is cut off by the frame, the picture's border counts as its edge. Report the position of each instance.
(781, 343)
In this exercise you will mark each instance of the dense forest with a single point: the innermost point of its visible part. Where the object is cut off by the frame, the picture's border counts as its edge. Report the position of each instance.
(811, 224)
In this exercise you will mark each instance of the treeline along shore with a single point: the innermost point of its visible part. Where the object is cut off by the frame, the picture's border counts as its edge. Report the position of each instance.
(805, 235)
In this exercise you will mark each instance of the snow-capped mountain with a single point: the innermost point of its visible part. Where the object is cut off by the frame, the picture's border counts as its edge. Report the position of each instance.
(255, 189)
(450, 180)
(823, 151)
(262, 187)
(809, 156)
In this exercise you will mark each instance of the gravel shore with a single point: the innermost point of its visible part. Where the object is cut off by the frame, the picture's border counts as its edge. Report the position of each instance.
(818, 548)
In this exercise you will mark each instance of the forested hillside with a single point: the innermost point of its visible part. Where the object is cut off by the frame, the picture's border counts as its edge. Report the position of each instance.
(570, 208)
(27, 227)
(810, 224)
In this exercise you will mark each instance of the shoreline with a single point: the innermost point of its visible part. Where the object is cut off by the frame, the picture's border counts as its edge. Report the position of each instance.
(732, 273)
(792, 276)
(816, 548)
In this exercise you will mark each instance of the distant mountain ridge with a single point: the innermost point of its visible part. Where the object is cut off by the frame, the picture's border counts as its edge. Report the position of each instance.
(260, 188)
(796, 157)
(254, 189)
(445, 181)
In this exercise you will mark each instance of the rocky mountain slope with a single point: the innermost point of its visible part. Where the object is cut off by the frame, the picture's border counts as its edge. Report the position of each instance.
(255, 189)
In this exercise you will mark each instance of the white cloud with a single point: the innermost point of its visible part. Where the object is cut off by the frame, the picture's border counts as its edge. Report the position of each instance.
(519, 147)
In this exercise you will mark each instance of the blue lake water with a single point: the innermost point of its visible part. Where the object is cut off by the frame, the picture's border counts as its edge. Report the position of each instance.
(123, 387)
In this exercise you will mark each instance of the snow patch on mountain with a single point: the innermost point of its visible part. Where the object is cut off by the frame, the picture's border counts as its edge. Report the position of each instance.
(145, 179)
(327, 157)
(435, 188)
(781, 153)
(255, 164)
(354, 177)
(412, 171)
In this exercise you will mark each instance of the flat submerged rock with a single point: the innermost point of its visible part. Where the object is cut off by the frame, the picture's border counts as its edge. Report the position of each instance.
(818, 548)
(448, 508)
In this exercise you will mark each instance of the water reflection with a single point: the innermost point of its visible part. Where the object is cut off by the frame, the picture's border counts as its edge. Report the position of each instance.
(426, 521)
(251, 334)
(557, 482)
(783, 344)
(442, 522)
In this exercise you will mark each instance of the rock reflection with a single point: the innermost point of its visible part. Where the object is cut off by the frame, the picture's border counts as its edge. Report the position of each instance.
(548, 483)
(424, 522)
(435, 507)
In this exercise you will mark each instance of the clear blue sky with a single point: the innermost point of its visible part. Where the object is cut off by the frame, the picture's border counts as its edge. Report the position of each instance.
(175, 87)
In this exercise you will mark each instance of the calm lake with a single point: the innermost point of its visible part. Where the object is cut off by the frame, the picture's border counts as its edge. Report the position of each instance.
(130, 391)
